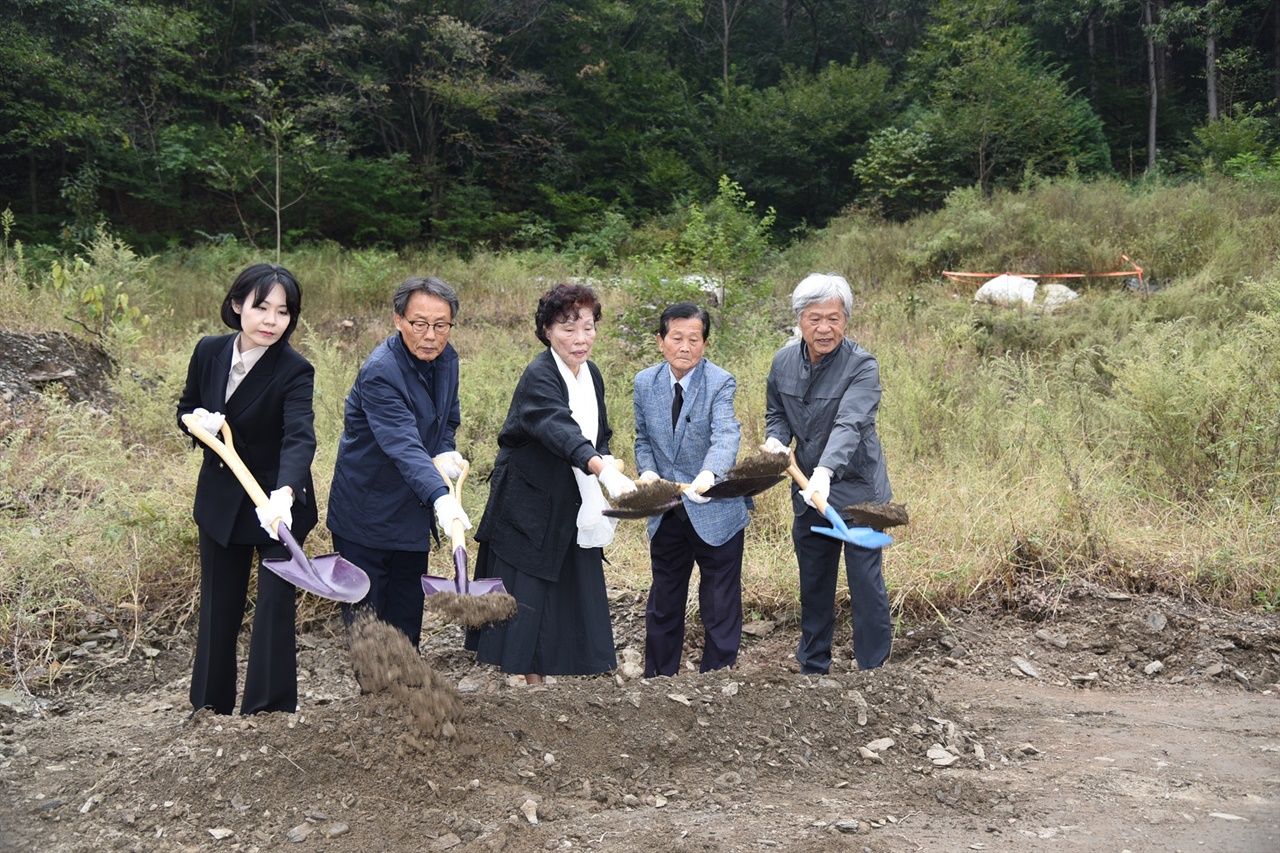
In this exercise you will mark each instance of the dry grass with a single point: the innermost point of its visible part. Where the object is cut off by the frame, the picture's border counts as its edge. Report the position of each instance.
(1057, 446)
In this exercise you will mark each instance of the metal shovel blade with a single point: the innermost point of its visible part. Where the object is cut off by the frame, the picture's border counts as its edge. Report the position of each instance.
(328, 576)
(643, 511)
(863, 537)
(457, 584)
(742, 487)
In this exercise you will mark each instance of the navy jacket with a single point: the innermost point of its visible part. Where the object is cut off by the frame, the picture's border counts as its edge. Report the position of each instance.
(384, 482)
(531, 519)
(273, 432)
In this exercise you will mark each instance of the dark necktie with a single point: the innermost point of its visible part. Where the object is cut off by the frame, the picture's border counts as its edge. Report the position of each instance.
(676, 405)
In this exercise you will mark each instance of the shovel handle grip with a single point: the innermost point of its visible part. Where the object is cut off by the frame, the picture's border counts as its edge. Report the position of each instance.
(457, 533)
(802, 481)
(620, 465)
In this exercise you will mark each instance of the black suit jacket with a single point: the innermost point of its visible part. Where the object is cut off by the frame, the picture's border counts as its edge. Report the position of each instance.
(531, 519)
(273, 431)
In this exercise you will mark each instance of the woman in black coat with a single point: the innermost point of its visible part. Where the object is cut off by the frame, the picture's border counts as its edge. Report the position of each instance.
(542, 531)
(265, 389)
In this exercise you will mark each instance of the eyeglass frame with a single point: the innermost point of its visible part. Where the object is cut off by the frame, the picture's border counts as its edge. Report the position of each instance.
(420, 327)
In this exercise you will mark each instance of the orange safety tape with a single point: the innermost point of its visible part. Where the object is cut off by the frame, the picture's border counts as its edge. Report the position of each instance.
(960, 276)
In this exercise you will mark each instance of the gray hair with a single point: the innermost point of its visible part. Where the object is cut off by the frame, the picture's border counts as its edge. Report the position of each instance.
(431, 286)
(822, 287)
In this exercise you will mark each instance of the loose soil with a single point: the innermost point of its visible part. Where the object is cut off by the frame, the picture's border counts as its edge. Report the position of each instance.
(1108, 722)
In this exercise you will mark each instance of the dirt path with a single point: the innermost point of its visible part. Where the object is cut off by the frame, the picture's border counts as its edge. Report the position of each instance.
(1058, 732)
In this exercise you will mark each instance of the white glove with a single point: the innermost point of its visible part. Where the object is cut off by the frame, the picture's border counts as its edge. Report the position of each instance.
(819, 484)
(450, 463)
(701, 483)
(648, 477)
(772, 445)
(447, 509)
(279, 505)
(211, 422)
(614, 481)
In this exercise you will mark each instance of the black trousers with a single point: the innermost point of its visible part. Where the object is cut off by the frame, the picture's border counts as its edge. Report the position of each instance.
(672, 551)
(819, 559)
(271, 679)
(395, 585)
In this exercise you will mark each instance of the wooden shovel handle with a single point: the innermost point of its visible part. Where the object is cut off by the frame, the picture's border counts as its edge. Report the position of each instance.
(620, 465)
(226, 449)
(802, 481)
(457, 533)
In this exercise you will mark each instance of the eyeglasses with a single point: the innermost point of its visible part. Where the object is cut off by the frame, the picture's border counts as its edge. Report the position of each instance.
(420, 327)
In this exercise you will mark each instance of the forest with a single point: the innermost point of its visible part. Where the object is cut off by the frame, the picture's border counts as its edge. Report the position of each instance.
(548, 124)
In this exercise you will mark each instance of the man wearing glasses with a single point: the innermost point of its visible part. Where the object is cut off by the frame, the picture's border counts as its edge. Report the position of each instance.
(401, 416)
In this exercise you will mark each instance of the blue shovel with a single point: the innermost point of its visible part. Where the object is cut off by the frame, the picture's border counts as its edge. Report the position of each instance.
(863, 537)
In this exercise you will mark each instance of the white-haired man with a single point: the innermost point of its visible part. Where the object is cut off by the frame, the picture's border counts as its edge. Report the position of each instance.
(824, 391)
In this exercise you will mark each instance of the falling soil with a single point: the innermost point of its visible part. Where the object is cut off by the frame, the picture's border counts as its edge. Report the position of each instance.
(472, 611)
(1077, 719)
(400, 680)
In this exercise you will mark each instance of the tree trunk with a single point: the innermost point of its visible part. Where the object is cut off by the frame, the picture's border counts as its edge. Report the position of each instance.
(33, 182)
(1152, 80)
(1211, 66)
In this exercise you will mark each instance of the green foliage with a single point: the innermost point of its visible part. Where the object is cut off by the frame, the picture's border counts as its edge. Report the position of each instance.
(1231, 142)
(716, 259)
(793, 145)
(105, 290)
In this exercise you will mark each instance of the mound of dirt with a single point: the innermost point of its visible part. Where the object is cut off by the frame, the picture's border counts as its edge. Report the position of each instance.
(29, 364)
(977, 735)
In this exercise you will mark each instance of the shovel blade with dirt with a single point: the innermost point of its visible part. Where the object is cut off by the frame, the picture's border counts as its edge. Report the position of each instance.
(461, 599)
(328, 576)
(863, 537)
(746, 479)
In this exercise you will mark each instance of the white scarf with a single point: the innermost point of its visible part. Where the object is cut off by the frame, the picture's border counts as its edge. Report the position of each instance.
(594, 529)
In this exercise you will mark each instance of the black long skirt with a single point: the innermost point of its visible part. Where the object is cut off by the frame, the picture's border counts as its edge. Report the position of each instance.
(560, 628)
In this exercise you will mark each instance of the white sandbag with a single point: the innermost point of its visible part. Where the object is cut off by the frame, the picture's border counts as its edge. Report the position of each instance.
(1054, 296)
(1007, 290)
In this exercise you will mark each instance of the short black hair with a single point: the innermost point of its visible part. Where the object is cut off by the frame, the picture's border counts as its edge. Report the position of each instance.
(684, 311)
(563, 302)
(429, 285)
(254, 285)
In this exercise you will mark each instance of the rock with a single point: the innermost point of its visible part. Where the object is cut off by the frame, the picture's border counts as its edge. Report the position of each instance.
(631, 671)
(847, 826)
(1051, 639)
(448, 841)
(1156, 622)
(940, 756)
(880, 744)
(1240, 677)
(1154, 667)
(870, 755)
(730, 689)
(221, 833)
(1214, 670)
(301, 832)
(1027, 749)
(729, 779)
(530, 811)
(334, 830)
(759, 627)
(1025, 668)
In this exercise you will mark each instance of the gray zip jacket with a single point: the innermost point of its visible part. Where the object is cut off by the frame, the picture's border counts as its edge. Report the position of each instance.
(830, 409)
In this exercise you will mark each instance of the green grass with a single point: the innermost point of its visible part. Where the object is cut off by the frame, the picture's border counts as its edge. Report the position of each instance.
(1127, 440)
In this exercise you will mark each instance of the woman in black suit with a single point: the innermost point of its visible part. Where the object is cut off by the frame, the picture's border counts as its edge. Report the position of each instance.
(542, 531)
(265, 387)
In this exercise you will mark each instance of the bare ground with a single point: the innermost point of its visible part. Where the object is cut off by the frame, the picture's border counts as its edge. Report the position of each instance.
(1103, 722)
